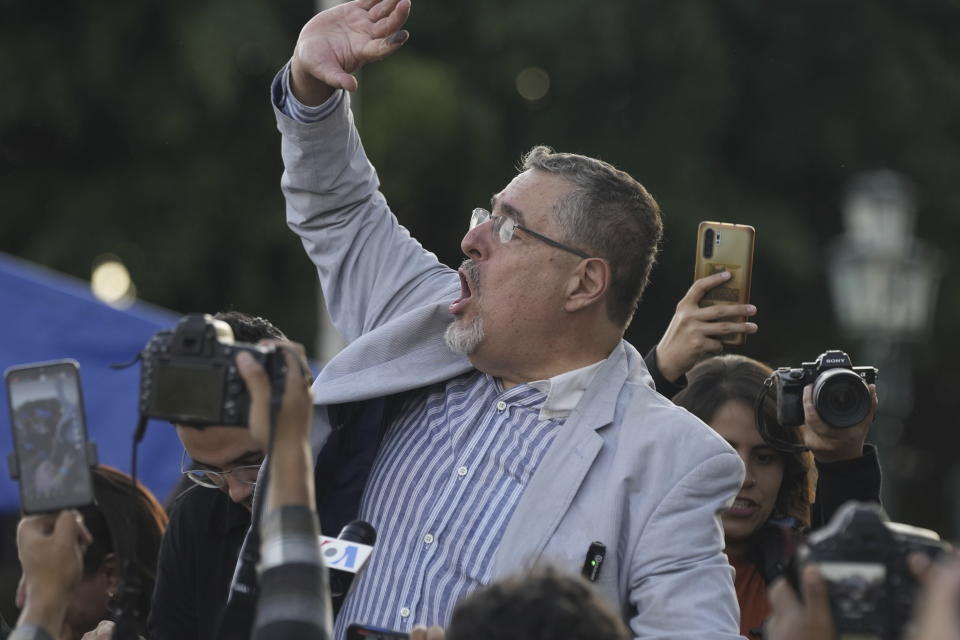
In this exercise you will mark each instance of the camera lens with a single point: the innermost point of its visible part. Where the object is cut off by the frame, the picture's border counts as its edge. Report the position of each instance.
(841, 397)
(708, 243)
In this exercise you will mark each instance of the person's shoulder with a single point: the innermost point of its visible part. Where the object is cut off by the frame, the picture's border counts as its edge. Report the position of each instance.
(667, 446)
(645, 414)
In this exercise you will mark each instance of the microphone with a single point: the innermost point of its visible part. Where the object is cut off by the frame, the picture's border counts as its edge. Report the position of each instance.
(346, 555)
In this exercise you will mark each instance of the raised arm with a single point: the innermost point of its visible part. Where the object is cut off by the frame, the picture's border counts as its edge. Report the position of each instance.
(694, 331)
(370, 268)
(847, 467)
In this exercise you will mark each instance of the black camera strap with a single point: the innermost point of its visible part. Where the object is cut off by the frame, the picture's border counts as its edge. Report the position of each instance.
(761, 418)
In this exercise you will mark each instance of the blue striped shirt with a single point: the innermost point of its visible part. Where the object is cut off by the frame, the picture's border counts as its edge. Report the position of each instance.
(446, 480)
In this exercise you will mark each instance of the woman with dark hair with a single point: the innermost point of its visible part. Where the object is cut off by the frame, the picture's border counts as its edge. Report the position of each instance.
(784, 492)
(124, 527)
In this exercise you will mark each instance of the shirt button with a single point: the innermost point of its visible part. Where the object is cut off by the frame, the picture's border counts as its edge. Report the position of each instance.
(405, 612)
(501, 405)
(462, 471)
(428, 538)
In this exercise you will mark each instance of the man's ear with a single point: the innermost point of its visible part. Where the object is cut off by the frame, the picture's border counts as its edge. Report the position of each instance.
(588, 285)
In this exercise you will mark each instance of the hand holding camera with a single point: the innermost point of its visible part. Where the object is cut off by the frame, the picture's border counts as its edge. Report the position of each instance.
(863, 560)
(839, 391)
(827, 443)
(296, 406)
(831, 401)
(189, 375)
(290, 453)
(832, 593)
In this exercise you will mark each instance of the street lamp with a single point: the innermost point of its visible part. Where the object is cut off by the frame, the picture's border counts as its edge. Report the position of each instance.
(884, 283)
(884, 280)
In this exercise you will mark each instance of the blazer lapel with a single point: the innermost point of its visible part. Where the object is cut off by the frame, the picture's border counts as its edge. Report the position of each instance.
(558, 478)
(406, 353)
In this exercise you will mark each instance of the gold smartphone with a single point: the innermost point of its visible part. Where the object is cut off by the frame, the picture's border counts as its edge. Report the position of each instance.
(722, 246)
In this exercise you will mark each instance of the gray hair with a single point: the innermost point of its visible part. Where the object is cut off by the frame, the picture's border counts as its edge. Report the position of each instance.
(609, 215)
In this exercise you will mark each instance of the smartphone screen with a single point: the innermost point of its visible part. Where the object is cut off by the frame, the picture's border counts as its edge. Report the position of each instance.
(364, 632)
(49, 436)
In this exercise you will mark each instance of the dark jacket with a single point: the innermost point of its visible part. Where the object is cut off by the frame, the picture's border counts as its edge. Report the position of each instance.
(837, 483)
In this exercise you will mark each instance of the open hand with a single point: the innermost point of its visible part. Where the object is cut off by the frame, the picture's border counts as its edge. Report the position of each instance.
(337, 42)
(693, 332)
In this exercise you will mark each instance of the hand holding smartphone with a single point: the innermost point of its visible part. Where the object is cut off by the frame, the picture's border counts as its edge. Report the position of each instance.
(722, 246)
(51, 457)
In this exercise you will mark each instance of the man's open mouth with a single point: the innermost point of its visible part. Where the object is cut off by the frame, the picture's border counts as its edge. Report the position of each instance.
(466, 292)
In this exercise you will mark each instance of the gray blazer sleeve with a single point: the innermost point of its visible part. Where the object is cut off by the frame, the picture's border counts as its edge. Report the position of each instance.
(370, 268)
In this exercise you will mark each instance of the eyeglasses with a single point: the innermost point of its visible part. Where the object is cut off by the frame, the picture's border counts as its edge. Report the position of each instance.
(247, 474)
(504, 226)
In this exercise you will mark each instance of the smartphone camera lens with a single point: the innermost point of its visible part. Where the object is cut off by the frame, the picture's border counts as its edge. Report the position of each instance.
(708, 243)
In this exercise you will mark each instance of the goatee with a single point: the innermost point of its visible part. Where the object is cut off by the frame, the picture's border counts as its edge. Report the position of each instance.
(464, 339)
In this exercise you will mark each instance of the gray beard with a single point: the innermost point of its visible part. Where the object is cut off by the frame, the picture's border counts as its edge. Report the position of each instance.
(464, 339)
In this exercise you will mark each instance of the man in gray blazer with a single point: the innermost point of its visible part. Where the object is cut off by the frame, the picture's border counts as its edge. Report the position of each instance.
(526, 428)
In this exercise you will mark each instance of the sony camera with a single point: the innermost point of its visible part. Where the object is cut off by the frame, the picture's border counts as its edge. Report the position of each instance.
(862, 557)
(840, 392)
(189, 375)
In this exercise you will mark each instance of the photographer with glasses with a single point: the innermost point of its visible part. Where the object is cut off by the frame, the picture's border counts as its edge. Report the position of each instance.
(208, 521)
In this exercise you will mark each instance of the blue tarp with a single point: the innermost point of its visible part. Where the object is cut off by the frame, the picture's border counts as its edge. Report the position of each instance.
(45, 315)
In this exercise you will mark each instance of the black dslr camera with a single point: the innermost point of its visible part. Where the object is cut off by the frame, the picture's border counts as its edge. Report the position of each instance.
(189, 375)
(862, 557)
(840, 391)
